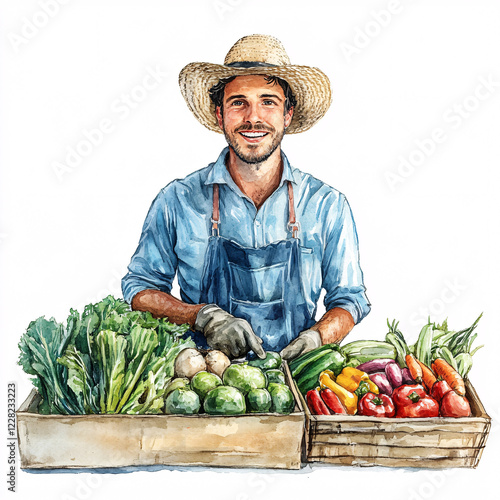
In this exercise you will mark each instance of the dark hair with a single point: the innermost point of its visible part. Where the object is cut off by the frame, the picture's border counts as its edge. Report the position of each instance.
(217, 91)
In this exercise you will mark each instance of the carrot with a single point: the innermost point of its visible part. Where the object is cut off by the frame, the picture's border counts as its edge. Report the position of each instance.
(448, 373)
(428, 376)
(414, 367)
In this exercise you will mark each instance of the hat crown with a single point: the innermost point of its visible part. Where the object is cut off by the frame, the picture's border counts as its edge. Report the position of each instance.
(258, 48)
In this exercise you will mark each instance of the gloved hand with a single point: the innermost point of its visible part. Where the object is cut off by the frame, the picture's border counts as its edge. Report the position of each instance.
(233, 336)
(306, 341)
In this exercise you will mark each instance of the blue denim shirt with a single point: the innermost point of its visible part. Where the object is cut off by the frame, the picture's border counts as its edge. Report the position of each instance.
(175, 236)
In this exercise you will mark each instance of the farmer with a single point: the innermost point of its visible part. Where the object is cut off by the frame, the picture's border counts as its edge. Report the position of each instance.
(252, 239)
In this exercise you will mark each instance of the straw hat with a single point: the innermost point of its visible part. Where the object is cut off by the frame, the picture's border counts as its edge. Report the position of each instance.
(257, 55)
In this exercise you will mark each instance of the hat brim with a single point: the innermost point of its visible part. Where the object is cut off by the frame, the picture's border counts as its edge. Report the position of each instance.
(310, 86)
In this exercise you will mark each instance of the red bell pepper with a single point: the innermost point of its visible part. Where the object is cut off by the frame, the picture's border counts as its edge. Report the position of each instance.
(376, 405)
(413, 402)
(400, 395)
(316, 404)
(332, 401)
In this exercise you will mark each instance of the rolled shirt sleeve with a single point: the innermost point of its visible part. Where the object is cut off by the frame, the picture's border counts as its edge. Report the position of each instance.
(154, 263)
(341, 272)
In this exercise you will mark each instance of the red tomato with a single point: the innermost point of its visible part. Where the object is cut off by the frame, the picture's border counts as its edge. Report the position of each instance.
(439, 389)
(454, 405)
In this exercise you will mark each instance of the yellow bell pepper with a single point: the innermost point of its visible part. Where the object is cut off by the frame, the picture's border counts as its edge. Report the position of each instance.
(347, 398)
(350, 378)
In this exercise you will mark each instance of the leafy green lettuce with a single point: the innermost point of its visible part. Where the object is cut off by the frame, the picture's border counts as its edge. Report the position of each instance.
(109, 359)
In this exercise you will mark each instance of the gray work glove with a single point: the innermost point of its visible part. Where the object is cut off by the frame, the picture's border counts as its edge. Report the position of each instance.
(305, 342)
(233, 336)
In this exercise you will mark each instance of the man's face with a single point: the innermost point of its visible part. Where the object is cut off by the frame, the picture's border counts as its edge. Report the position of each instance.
(253, 118)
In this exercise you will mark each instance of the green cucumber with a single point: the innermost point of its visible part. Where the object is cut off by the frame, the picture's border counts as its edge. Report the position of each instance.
(302, 366)
(297, 364)
(368, 350)
(333, 360)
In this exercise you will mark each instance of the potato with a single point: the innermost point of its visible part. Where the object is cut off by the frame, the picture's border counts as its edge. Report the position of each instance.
(217, 362)
(188, 363)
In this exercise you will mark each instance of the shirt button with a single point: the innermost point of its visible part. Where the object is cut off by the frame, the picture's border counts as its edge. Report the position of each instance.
(257, 223)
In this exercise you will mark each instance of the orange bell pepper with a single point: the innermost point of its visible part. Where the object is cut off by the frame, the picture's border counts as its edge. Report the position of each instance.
(350, 378)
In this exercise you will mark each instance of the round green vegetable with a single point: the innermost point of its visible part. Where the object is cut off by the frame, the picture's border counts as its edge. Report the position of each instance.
(259, 401)
(275, 377)
(244, 377)
(271, 361)
(203, 382)
(224, 400)
(282, 398)
(177, 383)
(182, 402)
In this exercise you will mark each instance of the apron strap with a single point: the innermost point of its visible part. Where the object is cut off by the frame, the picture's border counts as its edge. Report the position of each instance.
(215, 212)
(293, 224)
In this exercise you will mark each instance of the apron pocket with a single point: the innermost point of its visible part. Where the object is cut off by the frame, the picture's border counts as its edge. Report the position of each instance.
(257, 285)
(268, 321)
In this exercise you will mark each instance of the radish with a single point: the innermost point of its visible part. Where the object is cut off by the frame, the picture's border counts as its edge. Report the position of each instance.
(217, 362)
(188, 363)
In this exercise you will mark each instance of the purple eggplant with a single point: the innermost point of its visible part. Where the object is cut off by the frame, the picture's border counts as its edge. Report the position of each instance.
(381, 381)
(407, 378)
(377, 365)
(394, 375)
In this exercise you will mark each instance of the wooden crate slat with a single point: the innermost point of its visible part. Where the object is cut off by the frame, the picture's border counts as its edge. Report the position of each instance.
(350, 424)
(433, 438)
(468, 462)
(372, 451)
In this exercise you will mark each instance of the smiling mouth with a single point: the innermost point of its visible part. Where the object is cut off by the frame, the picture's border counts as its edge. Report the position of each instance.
(253, 136)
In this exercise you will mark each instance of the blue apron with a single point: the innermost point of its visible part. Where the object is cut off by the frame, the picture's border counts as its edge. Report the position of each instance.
(262, 285)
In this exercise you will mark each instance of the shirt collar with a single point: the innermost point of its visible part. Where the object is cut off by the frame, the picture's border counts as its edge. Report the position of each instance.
(219, 174)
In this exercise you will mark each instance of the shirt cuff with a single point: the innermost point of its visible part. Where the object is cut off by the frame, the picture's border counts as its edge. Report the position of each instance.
(358, 310)
(131, 288)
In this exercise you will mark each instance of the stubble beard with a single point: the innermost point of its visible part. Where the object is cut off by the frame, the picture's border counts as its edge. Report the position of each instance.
(254, 158)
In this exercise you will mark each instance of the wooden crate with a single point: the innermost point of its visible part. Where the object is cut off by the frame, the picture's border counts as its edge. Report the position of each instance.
(79, 441)
(397, 442)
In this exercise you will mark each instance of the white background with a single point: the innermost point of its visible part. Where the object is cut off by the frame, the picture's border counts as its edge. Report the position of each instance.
(429, 244)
